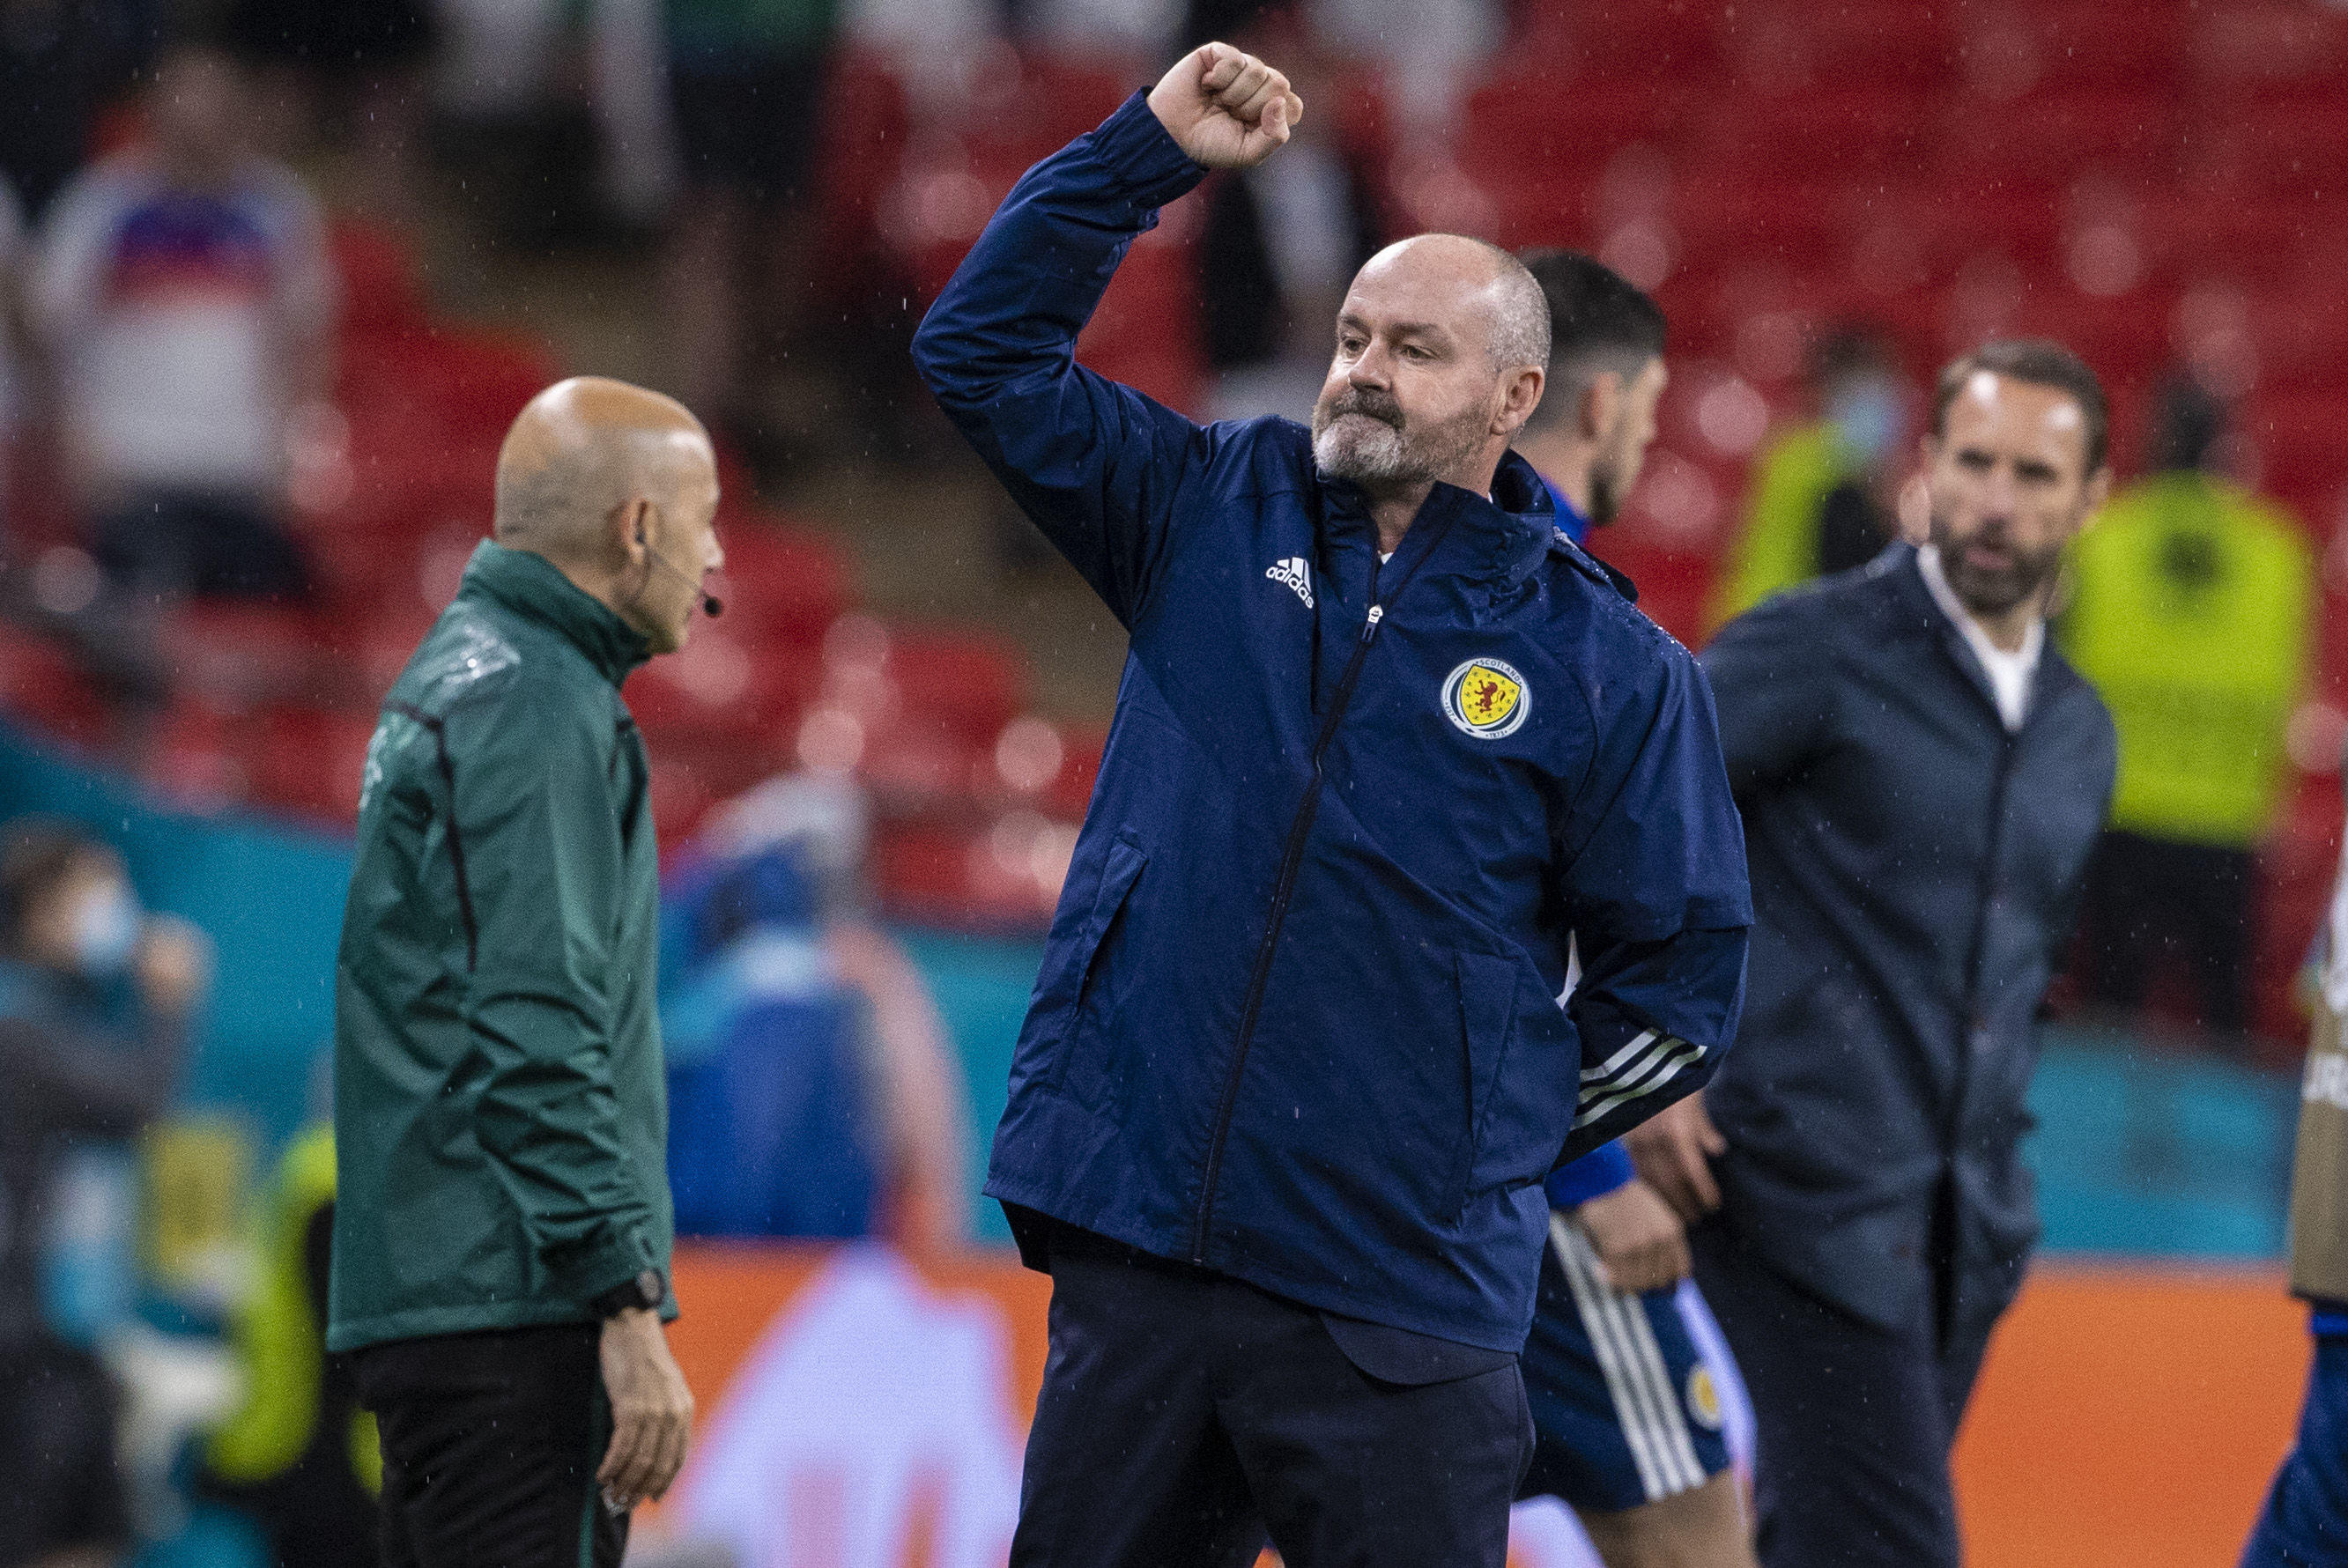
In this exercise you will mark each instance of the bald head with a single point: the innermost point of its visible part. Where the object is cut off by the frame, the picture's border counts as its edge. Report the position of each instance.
(1474, 288)
(615, 485)
(581, 451)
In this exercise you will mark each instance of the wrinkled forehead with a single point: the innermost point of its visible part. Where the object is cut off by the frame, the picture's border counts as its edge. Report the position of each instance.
(1432, 282)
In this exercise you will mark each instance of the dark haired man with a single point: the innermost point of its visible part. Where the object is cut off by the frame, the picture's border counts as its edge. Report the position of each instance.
(1294, 1073)
(1628, 1418)
(1589, 437)
(1922, 778)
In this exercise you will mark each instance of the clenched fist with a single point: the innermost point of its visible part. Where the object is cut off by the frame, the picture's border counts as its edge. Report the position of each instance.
(1225, 109)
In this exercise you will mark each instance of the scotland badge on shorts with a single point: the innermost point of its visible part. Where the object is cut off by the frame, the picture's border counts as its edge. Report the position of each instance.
(1704, 1398)
(1486, 699)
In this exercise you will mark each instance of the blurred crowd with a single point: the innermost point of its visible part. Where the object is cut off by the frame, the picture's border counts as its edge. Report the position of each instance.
(162, 1311)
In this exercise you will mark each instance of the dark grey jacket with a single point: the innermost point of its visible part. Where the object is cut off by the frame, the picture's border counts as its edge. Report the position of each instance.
(1914, 869)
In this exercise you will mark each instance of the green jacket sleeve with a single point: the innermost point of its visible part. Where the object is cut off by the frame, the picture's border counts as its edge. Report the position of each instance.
(539, 833)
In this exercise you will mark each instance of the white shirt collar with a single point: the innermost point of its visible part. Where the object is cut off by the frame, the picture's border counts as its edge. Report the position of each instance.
(2009, 673)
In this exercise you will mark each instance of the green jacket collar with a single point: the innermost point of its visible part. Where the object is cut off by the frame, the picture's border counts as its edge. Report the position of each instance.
(533, 588)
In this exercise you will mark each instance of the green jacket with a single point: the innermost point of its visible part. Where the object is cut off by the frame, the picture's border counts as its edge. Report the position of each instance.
(500, 1112)
(2193, 612)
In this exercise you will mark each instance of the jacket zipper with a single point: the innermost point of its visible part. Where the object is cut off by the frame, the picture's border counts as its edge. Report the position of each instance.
(1292, 860)
(2009, 751)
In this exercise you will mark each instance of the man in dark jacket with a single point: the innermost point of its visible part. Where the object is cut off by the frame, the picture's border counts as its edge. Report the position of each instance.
(501, 1234)
(1294, 1069)
(1922, 777)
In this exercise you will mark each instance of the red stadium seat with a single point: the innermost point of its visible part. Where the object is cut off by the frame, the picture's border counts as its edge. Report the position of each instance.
(1789, 47)
(2067, 44)
(198, 757)
(308, 761)
(970, 683)
(42, 685)
(861, 150)
(1831, 133)
(377, 270)
(1145, 333)
(2301, 450)
(2293, 146)
(781, 584)
(2047, 137)
(1629, 40)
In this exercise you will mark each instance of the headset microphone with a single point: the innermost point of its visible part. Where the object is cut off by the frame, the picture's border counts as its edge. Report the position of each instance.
(711, 605)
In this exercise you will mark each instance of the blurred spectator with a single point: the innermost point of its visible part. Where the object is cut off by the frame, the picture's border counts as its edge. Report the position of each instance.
(61, 62)
(1281, 241)
(812, 1088)
(1821, 492)
(746, 84)
(299, 1459)
(353, 69)
(183, 294)
(2191, 612)
(94, 1004)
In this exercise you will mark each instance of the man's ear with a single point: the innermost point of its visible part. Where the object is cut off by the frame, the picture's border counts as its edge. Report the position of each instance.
(1600, 406)
(2100, 490)
(1520, 393)
(628, 534)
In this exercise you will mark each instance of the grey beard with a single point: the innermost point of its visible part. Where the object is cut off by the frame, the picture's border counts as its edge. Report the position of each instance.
(1376, 454)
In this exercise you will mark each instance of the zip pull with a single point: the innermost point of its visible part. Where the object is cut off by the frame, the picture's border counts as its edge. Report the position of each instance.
(1370, 627)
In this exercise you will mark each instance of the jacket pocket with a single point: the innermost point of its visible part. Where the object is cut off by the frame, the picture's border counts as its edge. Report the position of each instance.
(1488, 1015)
(1126, 860)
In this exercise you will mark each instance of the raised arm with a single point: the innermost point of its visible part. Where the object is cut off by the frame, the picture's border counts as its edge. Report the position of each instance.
(1094, 464)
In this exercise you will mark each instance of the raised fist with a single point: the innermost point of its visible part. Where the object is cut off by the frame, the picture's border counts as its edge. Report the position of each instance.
(1225, 109)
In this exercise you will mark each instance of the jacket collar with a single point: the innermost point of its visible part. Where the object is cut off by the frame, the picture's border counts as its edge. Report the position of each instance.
(1918, 607)
(534, 589)
(1498, 538)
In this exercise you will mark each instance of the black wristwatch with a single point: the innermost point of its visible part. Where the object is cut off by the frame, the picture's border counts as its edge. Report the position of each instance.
(644, 1292)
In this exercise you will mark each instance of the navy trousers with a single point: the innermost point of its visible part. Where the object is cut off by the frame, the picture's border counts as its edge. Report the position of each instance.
(1184, 1416)
(1853, 1423)
(2305, 1522)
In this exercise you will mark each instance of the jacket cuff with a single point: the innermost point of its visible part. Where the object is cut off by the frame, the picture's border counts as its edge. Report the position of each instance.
(1605, 1168)
(1150, 167)
(613, 1261)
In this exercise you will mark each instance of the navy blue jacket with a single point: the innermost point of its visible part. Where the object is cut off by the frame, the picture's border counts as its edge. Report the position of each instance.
(1296, 1021)
(1915, 867)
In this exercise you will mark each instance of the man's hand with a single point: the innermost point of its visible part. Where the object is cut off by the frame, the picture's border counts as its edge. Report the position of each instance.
(652, 1409)
(1639, 1242)
(1671, 1151)
(1225, 109)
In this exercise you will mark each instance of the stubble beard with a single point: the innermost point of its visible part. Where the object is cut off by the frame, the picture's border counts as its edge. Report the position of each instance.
(1994, 592)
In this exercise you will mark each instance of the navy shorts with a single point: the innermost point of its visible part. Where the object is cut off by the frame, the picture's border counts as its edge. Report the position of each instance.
(1626, 1408)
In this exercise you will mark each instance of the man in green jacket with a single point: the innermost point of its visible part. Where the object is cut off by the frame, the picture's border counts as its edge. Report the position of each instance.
(502, 1238)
